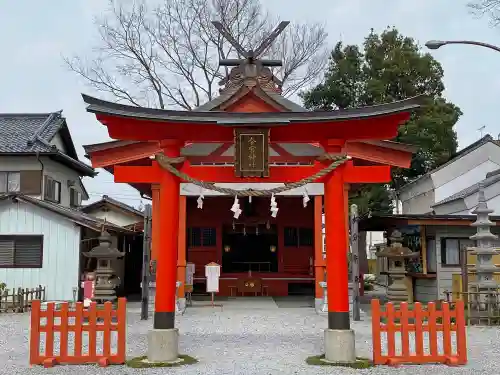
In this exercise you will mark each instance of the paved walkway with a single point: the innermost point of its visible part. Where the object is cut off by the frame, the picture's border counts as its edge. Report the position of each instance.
(249, 336)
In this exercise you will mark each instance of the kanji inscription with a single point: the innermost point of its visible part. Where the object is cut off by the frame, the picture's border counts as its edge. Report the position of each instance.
(251, 152)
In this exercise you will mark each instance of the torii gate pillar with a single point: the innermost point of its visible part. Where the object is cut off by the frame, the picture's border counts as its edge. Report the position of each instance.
(339, 338)
(163, 345)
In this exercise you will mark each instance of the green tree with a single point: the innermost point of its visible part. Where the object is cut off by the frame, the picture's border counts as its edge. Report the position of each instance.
(391, 67)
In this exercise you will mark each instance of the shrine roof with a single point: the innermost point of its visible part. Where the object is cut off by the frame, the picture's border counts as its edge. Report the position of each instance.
(266, 94)
(200, 149)
(246, 119)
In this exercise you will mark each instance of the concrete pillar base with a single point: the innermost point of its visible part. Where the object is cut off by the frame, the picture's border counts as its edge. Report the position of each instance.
(163, 345)
(340, 345)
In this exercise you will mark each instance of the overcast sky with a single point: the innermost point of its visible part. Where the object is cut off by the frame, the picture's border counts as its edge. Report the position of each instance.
(35, 34)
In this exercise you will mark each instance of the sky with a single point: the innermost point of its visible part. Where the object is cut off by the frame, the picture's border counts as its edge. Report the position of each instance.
(35, 35)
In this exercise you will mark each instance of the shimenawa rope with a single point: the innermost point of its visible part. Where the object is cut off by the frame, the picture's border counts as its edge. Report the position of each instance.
(168, 164)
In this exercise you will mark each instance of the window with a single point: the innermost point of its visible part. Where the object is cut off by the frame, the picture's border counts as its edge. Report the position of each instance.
(451, 250)
(198, 237)
(21, 251)
(10, 182)
(52, 190)
(296, 237)
(75, 198)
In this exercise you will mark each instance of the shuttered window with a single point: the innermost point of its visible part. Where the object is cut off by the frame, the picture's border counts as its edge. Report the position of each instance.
(21, 251)
(75, 198)
(52, 190)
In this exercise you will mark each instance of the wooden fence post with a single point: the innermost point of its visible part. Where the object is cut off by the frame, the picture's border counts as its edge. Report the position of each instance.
(376, 336)
(35, 332)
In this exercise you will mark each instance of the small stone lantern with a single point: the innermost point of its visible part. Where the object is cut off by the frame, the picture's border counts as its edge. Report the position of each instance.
(104, 253)
(396, 254)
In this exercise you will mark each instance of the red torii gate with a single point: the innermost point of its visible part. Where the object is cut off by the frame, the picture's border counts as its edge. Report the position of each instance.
(168, 131)
(250, 111)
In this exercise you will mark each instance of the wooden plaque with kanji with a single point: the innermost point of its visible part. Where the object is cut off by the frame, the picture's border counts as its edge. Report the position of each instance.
(251, 152)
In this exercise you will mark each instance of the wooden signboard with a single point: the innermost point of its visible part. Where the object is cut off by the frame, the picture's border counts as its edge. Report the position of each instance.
(212, 273)
(251, 152)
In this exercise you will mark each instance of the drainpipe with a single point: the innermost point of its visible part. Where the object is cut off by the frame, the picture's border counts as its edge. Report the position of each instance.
(41, 180)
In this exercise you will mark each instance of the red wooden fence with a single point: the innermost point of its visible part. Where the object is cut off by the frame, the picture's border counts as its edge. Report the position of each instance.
(65, 321)
(419, 324)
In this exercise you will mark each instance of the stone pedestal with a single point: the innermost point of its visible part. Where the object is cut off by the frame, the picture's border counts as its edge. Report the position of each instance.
(151, 298)
(340, 346)
(163, 345)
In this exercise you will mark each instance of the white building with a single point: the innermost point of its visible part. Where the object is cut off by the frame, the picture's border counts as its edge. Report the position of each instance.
(437, 210)
(41, 189)
(115, 212)
(467, 168)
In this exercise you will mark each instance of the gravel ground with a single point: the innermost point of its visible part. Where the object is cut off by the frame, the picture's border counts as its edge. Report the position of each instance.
(257, 341)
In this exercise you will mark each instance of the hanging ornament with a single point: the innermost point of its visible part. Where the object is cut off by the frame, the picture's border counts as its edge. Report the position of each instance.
(234, 226)
(236, 208)
(200, 200)
(305, 198)
(249, 199)
(274, 206)
(244, 230)
(268, 225)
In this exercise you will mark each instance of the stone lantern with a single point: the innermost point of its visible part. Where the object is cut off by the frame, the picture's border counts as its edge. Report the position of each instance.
(396, 254)
(104, 253)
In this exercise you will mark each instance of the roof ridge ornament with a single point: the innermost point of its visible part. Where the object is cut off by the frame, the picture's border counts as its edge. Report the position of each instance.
(250, 70)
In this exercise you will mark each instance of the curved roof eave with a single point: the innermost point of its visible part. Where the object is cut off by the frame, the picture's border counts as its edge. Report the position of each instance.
(239, 118)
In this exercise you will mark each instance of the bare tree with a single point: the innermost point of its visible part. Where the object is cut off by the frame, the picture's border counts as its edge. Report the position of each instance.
(167, 55)
(489, 8)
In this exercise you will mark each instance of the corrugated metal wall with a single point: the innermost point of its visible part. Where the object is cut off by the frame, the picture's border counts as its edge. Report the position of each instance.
(61, 241)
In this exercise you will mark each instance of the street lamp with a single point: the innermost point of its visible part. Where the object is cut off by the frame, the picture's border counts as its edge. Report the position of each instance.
(435, 44)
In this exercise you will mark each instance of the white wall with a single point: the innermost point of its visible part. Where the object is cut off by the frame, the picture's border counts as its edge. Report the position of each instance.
(61, 249)
(460, 174)
(114, 216)
(470, 169)
(51, 168)
(464, 180)
(417, 198)
(62, 173)
(465, 206)
(58, 142)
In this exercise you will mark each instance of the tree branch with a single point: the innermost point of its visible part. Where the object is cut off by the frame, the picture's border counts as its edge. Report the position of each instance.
(169, 55)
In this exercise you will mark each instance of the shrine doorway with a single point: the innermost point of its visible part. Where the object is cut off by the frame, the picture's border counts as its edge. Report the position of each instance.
(250, 248)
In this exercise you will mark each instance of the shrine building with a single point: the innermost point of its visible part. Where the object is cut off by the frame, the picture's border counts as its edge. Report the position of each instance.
(244, 181)
(286, 251)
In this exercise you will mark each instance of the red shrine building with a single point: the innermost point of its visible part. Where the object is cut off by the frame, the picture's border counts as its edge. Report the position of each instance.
(251, 138)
